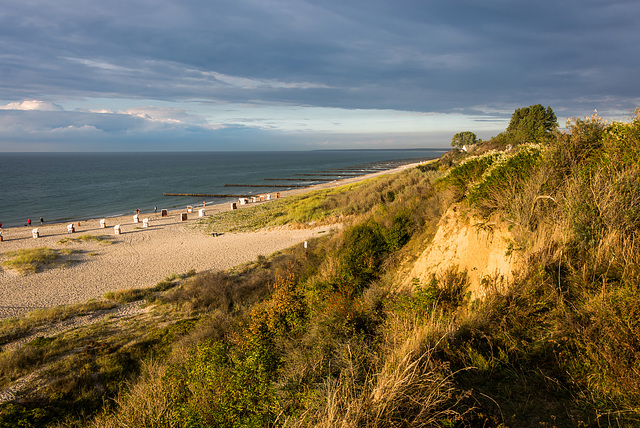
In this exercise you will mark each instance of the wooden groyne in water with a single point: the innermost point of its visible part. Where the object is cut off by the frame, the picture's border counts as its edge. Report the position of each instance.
(267, 185)
(332, 174)
(300, 179)
(347, 175)
(207, 195)
(355, 170)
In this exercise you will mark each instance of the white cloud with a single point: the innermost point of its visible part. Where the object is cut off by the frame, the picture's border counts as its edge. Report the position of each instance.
(103, 65)
(76, 129)
(101, 111)
(32, 105)
(168, 115)
(246, 83)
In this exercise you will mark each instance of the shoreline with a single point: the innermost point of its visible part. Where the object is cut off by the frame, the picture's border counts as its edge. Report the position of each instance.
(76, 195)
(139, 257)
(217, 206)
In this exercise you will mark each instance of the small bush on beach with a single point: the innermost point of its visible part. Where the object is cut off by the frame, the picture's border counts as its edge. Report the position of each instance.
(86, 238)
(31, 260)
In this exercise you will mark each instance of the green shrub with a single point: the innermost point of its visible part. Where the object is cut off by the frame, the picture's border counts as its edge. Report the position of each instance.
(604, 188)
(581, 142)
(361, 256)
(507, 170)
(505, 178)
(284, 313)
(214, 387)
(606, 358)
(470, 171)
(420, 300)
(400, 231)
(446, 291)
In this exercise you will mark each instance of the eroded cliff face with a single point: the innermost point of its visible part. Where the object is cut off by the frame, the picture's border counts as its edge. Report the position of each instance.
(463, 242)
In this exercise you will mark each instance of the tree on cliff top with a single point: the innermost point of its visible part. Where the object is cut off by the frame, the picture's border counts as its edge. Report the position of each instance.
(532, 124)
(465, 138)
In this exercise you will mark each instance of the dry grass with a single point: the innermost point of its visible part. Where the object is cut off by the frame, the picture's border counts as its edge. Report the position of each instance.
(34, 260)
(86, 238)
(414, 388)
(15, 328)
(147, 402)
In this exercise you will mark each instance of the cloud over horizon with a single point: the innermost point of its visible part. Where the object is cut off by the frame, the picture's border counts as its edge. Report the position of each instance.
(125, 71)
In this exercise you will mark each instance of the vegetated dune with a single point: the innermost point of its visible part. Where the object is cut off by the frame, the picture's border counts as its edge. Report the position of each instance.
(482, 249)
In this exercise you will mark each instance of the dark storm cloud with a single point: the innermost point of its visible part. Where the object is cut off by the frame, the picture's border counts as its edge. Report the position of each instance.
(429, 56)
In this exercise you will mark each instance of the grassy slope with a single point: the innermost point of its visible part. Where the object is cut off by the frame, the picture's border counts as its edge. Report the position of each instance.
(319, 338)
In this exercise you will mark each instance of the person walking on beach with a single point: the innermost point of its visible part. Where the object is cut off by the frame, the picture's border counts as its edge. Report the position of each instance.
(137, 210)
(29, 222)
(41, 220)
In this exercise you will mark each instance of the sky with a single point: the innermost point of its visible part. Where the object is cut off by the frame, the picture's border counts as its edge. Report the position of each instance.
(137, 75)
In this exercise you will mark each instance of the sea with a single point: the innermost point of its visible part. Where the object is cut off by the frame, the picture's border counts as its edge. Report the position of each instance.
(77, 186)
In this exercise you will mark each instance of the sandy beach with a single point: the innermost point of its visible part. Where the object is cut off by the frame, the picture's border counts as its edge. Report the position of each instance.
(138, 257)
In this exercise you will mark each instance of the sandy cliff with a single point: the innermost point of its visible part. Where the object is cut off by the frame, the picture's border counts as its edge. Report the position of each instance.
(482, 248)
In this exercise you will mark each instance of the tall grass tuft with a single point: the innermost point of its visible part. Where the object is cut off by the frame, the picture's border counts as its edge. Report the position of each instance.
(31, 260)
(86, 238)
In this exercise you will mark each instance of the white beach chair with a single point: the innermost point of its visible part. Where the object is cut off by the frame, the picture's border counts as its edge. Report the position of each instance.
(70, 228)
(145, 222)
(201, 212)
(103, 223)
(35, 233)
(136, 218)
(116, 229)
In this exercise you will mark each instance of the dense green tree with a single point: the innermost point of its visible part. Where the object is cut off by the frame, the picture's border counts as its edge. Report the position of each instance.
(465, 138)
(532, 124)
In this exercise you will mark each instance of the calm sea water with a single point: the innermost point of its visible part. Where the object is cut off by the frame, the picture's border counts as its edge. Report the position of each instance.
(75, 186)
